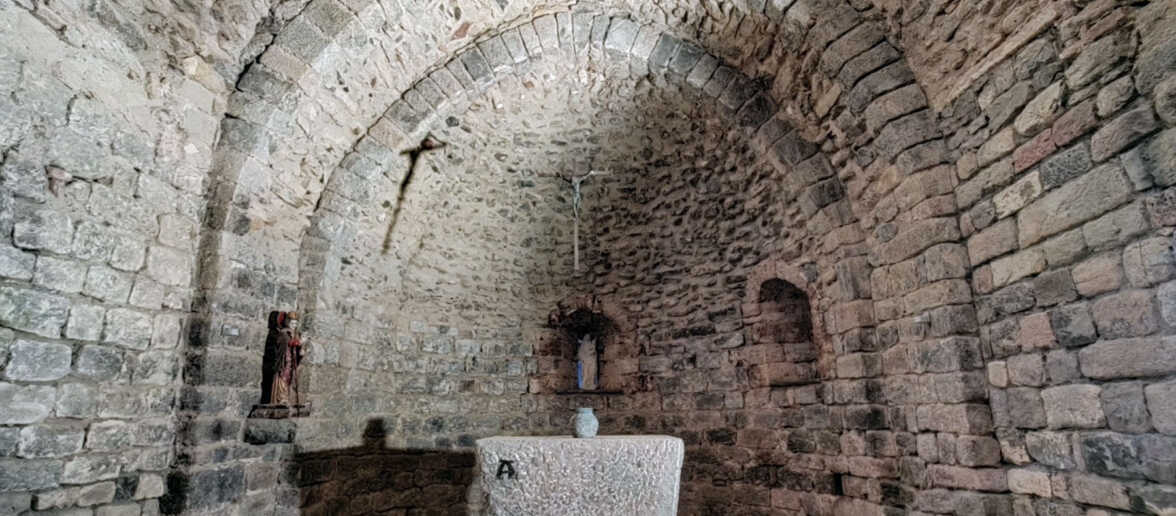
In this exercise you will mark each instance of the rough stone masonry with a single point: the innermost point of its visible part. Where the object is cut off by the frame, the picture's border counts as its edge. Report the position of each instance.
(863, 257)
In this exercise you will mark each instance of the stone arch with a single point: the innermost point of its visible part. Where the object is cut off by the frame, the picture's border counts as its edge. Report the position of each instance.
(873, 132)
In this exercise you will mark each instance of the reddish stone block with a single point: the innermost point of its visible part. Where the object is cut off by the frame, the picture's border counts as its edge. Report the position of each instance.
(1074, 123)
(1033, 151)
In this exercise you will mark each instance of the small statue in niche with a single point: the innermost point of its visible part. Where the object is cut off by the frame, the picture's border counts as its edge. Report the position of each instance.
(281, 395)
(287, 358)
(586, 363)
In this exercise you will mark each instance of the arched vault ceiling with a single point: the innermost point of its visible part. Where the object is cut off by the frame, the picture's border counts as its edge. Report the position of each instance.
(489, 217)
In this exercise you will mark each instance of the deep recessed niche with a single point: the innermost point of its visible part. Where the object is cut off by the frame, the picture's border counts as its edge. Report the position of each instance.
(580, 354)
(782, 317)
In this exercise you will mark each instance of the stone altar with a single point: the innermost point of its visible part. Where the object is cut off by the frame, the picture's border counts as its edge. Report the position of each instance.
(619, 475)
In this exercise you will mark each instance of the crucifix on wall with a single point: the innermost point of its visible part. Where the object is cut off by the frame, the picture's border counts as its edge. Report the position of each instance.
(577, 198)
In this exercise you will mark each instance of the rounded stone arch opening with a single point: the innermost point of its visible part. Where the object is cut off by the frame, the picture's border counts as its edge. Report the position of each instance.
(836, 192)
(600, 318)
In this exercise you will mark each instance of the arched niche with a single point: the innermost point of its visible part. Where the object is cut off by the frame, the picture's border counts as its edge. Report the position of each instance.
(577, 323)
(780, 316)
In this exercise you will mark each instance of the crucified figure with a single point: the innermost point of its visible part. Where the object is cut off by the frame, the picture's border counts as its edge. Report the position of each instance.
(576, 181)
(414, 156)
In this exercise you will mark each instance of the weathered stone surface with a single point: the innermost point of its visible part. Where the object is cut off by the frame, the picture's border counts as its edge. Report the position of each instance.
(1125, 408)
(544, 460)
(1148, 356)
(1073, 406)
(1114, 96)
(1130, 313)
(28, 475)
(37, 361)
(24, 404)
(99, 362)
(1074, 202)
(1165, 100)
(1161, 404)
(1066, 165)
(41, 441)
(1122, 132)
(33, 311)
(1041, 111)
(1158, 158)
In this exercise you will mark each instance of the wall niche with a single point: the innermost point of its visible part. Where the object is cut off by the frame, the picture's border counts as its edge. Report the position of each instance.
(584, 350)
(781, 318)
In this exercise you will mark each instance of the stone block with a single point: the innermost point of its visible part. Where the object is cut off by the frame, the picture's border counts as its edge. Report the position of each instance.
(1095, 58)
(56, 274)
(25, 404)
(956, 477)
(45, 441)
(1054, 287)
(1073, 406)
(1094, 490)
(1149, 261)
(95, 494)
(622, 33)
(107, 284)
(1025, 407)
(149, 486)
(1075, 202)
(1033, 151)
(85, 469)
(1064, 248)
(1121, 132)
(977, 451)
(33, 311)
(1064, 166)
(1161, 403)
(1076, 122)
(1027, 370)
(1029, 481)
(29, 475)
(128, 328)
(269, 431)
(1012, 268)
(1125, 408)
(37, 361)
(44, 229)
(1148, 356)
(998, 145)
(1157, 157)
(1129, 313)
(85, 322)
(99, 362)
(1098, 275)
(1139, 171)
(1115, 227)
(1165, 100)
(998, 374)
(1061, 366)
(15, 503)
(1041, 111)
(16, 264)
(169, 266)
(156, 368)
(1051, 449)
(77, 400)
(892, 105)
(1005, 105)
(1112, 97)
(497, 56)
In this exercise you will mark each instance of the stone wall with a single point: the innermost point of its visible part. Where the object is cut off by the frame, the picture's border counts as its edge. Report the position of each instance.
(971, 208)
